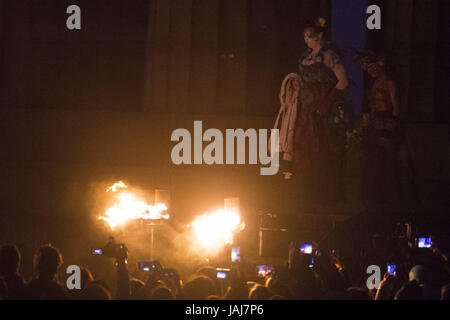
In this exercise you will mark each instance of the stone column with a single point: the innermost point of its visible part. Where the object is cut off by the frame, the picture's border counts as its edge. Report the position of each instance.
(157, 57)
(411, 42)
(180, 55)
(233, 46)
(204, 56)
(423, 62)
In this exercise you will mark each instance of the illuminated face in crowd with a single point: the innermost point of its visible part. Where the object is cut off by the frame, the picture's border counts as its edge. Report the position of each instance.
(312, 38)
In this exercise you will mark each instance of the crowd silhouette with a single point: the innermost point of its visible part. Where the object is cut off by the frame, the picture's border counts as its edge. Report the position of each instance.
(421, 274)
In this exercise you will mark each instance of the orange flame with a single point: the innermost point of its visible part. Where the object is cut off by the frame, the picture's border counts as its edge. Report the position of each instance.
(129, 208)
(216, 230)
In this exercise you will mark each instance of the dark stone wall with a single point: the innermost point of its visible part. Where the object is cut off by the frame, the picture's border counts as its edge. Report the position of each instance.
(414, 37)
(223, 57)
(100, 67)
(442, 113)
(205, 57)
(89, 107)
(188, 56)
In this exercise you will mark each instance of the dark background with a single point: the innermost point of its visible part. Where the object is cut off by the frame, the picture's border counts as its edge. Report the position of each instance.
(82, 109)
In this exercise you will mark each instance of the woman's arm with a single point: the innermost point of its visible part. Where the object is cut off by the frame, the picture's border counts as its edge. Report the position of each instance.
(333, 62)
(394, 100)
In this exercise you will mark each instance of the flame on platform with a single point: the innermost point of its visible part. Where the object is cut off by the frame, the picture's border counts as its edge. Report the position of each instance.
(116, 186)
(216, 230)
(129, 208)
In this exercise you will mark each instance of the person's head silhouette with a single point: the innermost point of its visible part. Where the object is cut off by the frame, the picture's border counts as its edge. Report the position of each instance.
(9, 260)
(47, 261)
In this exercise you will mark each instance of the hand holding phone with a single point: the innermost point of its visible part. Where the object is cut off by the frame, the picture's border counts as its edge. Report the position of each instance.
(424, 242)
(306, 248)
(150, 266)
(222, 274)
(171, 278)
(264, 270)
(235, 254)
(97, 251)
(392, 270)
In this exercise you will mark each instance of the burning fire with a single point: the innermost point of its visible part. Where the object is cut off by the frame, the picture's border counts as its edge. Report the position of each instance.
(216, 229)
(129, 208)
(116, 186)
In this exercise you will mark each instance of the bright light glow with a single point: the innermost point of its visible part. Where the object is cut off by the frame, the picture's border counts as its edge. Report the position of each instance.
(116, 186)
(216, 230)
(264, 271)
(129, 208)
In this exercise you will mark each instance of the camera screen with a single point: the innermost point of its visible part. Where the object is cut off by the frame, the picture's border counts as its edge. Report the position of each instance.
(392, 269)
(264, 271)
(146, 266)
(97, 251)
(236, 254)
(306, 248)
(311, 265)
(221, 275)
(424, 243)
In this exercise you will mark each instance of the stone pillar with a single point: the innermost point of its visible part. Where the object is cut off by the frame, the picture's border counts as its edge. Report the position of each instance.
(233, 40)
(423, 62)
(157, 57)
(442, 113)
(400, 49)
(204, 56)
(180, 55)
(411, 40)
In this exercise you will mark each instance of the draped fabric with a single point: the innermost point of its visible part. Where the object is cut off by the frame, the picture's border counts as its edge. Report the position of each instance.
(287, 115)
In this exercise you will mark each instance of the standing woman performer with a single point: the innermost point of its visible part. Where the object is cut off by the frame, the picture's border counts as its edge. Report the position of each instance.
(318, 150)
(381, 179)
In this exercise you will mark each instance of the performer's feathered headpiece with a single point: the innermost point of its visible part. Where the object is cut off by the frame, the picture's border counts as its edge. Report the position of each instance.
(367, 58)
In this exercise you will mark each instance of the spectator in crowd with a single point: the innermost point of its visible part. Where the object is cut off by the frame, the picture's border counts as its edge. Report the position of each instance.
(94, 291)
(211, 273)
(386, 290)
(326, 276)
(135, 286)
(422, 276)
(198, 288)
(3, 290)
(278, 287)
(445, 292)
(9, 271)
(162, 293)
(47, 261)
(410, 291)
(86, 279)
(357, 293)
(259, 292)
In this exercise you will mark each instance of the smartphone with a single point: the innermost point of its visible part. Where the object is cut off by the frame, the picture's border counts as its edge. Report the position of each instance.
(306, 248)
(311, 265)
(392, 269)
(222, 274)
(235, 254)
(264, 270)
(424, 242)
(146, 266)
(97, 251)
